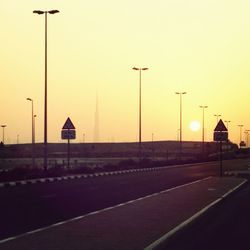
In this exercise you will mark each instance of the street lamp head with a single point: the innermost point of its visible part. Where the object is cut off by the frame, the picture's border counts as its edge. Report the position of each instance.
(39, 12)
(203, 106)
(53, 11)
(135, 68)
(140, 68)
(29, 99)
(3, 126)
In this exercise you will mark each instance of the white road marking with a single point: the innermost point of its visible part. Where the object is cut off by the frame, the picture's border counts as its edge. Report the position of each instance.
(192, 218)
(98, 211)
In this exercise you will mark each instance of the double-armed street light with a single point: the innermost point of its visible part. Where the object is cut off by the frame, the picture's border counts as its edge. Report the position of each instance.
(247, 135)
(227, 122)
(180, 94)
(203, 129)
(240, 126)
(40, 12)
(140, 69)
(3, 126)
(217, 118)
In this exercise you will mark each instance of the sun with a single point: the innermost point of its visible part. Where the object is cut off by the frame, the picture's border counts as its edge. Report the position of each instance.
(195, 125)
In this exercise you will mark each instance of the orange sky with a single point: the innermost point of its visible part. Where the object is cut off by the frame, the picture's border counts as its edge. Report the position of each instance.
(201, 47)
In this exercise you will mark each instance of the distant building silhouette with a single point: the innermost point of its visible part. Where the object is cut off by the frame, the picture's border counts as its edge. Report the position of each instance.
(96, 128)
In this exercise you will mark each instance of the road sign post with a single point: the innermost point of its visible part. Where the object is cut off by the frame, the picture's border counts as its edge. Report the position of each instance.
(69, 133)
(220, 135)
(68, 152)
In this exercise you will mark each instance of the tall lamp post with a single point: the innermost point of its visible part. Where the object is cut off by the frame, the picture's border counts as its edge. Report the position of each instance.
(227, 122)
(240, 126)
(40, 12)
(247, 135)
(217, 118)
(3, 126)
(203, 122)
(35, 128)
(180, 94)
(140, 69)
(32, 130)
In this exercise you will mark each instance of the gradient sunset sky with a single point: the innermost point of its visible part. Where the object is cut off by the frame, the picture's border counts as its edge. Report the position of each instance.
(201, 47)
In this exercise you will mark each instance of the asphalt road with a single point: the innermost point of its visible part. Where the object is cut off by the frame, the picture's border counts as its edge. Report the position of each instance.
(28, 207)
(226, 226)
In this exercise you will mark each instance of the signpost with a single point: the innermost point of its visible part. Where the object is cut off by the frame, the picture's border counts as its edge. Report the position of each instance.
(68, 133)
(220, 135)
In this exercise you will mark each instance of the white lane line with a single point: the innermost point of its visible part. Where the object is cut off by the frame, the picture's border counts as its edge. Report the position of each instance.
(97, 212)
(8, 239)
(155, 244)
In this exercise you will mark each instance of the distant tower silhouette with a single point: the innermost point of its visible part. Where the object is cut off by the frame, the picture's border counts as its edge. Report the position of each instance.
(96, 130)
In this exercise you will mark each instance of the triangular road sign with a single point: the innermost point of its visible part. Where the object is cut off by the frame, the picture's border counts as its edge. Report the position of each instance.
(220, 126)
(68, 124)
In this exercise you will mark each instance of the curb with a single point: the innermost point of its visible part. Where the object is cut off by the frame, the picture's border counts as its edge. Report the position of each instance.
(79, 176)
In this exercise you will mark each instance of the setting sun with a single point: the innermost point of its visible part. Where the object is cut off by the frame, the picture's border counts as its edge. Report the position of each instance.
(194, 125)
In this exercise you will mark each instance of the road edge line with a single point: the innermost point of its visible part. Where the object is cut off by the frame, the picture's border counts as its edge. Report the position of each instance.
(192, 218)
(98, 211)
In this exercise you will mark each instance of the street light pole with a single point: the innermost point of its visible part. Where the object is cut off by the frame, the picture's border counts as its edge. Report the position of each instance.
(203, 122)
(153, 146)
(180, 93)
(40, 12)
(32, 133)
(3, 126)
(227, 122)
(217, 118)
(34, 128)
(240, 133)
(247, 135)
(140, 69)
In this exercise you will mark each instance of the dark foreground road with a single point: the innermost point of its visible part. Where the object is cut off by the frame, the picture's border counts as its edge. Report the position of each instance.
(28, 207)
(226, 226)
